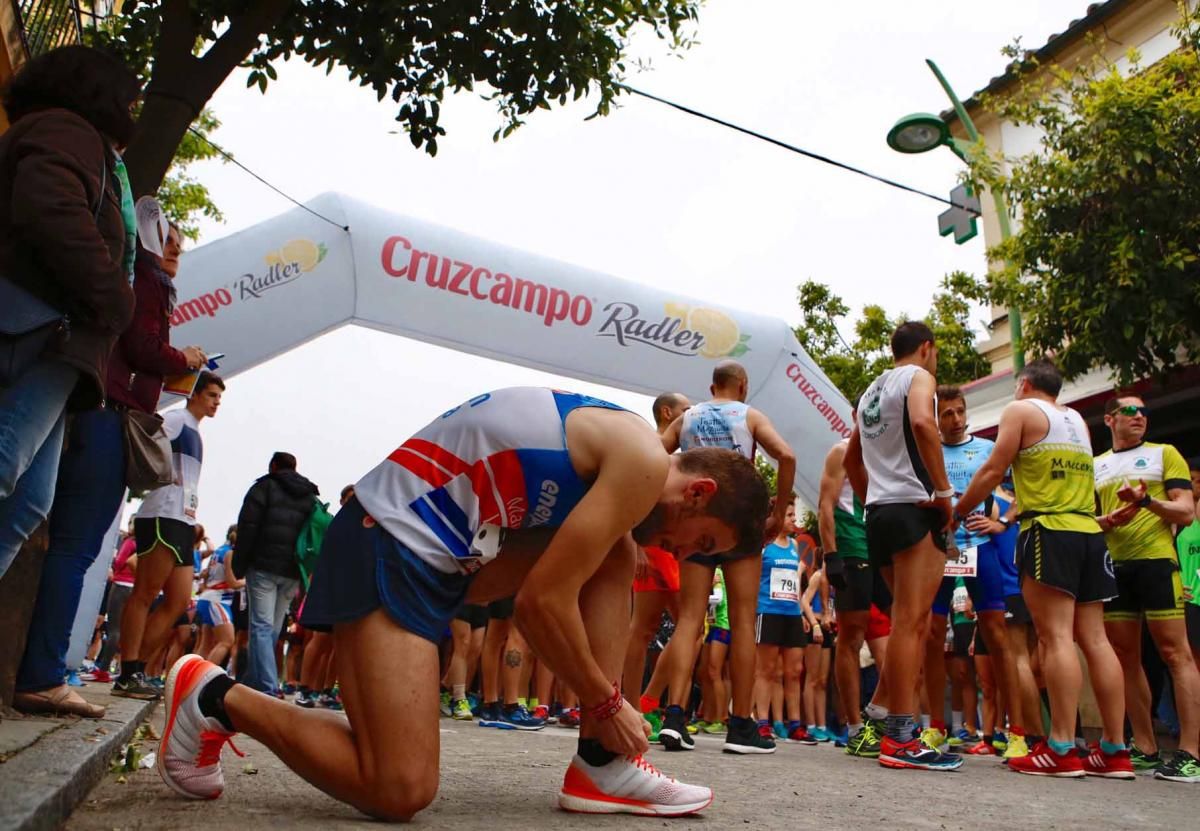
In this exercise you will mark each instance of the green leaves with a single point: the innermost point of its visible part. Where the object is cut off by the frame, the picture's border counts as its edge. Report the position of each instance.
(1104, 266)
(852, 366)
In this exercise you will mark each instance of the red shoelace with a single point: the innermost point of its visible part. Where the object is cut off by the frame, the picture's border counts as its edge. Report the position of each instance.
(211, 744)
(643, 763)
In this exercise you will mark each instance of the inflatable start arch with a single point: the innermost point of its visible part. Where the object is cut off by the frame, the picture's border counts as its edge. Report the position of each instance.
(270, 288)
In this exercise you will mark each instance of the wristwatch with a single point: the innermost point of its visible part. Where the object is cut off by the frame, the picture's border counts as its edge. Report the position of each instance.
(1004, 521)
(1145, 501)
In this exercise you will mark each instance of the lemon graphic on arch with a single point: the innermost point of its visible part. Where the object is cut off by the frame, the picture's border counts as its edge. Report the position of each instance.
(721, 334)
(303, 252)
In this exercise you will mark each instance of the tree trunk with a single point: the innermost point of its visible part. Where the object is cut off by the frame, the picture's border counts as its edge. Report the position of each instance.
(182, 83)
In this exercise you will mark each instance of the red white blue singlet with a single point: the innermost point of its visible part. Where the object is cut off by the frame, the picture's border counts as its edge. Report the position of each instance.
(499, 459)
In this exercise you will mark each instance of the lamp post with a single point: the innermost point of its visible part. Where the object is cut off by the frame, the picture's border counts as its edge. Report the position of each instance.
(922, 132)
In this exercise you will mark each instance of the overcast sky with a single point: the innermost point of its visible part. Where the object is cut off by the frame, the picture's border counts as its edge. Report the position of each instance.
(648, 193)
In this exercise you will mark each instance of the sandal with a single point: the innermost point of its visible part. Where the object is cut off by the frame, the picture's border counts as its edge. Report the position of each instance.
(61, 700)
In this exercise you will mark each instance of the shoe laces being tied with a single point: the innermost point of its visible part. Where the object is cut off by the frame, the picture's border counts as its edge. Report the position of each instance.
(644, 763)
(211, 744)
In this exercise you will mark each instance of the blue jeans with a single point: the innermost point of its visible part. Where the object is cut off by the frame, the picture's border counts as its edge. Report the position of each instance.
(91, 482)
(269, 596)
(31, 436)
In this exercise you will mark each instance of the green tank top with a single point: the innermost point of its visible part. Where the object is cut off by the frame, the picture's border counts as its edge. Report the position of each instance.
(1054, 477)
(721, 613)
(1188, 545)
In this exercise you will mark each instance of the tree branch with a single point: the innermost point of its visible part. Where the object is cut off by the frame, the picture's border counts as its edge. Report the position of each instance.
(240, 38)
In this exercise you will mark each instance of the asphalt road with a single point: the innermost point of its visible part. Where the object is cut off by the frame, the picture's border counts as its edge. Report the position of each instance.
(497, 780)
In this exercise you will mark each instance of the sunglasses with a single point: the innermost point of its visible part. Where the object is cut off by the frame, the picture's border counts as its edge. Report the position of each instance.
(1130, 410)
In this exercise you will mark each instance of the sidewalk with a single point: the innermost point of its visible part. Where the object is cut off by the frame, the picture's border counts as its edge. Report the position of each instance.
(48, 765)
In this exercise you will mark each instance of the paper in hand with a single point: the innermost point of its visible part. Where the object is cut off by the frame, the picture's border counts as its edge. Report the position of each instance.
(152, 225)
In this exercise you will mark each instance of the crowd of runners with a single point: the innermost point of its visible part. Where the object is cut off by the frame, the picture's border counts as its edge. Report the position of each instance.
(503, 553)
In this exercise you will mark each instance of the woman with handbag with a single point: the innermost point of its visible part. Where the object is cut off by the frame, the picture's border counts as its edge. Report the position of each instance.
(66, 263)
(92, 476)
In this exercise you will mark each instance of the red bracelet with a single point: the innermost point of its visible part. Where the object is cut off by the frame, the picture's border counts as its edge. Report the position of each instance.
(609, 707)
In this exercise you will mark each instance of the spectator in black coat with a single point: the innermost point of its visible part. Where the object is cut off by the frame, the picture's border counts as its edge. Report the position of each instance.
(274, 512)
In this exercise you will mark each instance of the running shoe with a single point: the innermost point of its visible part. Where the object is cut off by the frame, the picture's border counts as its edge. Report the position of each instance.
(1016, 748)
(654, 719)
(781, 731)
(1042, 761)
(915, 755)
(289, 689)
(980, 749)
(189, 754)
(1000, 742)
(460, 710)
(490, 716)
(693, 727)
(1182, 768)
(801, 736)
(1144, 762)
(541, 711)
(962, 736)
(520, 719)
(136, 686)
(628, 786)
(935, 739)
(820, 734)
(715, 728)
(98, 676)
(673, 735)
(1108, 765)
(444, 703)
(306, 699)
(865, 742)
(73, 679)
(569, 718)
(329, 700)
(745, 737)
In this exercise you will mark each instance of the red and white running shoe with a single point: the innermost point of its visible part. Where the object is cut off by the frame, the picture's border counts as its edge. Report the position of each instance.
(628, 786)
(979, 749)
(1042, 761)
(1111, 766)
(189, 755)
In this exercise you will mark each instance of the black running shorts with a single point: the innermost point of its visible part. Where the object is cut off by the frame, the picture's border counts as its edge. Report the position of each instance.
(177, 536)
(780, 630)
(1152, 589)
(1015, 611)
(1191, 613)
(1074, 562)
(964, 634)
(863, 587)
(473, 614)
(501, 609)
(895, 528)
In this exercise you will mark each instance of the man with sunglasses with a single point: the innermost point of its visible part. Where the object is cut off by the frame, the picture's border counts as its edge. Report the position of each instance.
(1143, 493)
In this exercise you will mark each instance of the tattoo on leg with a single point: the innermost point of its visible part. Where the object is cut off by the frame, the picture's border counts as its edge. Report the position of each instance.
(512, 658)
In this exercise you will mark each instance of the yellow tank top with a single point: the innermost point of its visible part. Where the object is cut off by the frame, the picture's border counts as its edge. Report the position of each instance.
(1054, 478)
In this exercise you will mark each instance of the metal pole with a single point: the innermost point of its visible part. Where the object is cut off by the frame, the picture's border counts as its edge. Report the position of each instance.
(1014, 314)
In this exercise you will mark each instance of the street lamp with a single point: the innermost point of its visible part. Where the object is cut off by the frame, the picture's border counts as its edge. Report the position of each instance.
(922, 132)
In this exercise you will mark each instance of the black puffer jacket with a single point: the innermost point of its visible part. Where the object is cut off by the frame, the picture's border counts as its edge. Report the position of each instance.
(273, 513)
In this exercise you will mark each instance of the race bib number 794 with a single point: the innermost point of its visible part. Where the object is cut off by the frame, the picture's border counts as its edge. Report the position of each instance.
(785, 584)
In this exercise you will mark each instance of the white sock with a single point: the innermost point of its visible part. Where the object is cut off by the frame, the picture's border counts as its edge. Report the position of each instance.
(926, 719)
(854, 729)
(811, 727)
(459, 692)
(956, 720)
(876, 711)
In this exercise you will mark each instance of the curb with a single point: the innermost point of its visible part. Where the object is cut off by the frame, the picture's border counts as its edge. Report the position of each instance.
(43, 784)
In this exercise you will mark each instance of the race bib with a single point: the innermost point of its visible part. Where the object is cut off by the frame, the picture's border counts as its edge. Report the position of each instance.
(967, 564)
(785, 584)
(486, 543)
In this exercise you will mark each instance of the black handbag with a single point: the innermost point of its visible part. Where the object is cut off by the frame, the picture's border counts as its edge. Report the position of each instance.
(147, 452)
(28, 323)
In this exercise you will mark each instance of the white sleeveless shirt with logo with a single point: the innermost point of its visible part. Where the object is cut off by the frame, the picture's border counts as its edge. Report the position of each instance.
(896, 474)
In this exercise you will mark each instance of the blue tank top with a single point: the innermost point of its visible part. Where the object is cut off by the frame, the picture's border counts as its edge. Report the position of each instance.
(1006, 545)
(962, 460)
(779, 586)
(498, 460)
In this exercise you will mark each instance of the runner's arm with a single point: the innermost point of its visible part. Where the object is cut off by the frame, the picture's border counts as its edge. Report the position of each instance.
(774, 445)
(670, 436)
(832, 477)
(923, 421)
(547, 605)
(856, 471)
(806, 600)
(1008, 444)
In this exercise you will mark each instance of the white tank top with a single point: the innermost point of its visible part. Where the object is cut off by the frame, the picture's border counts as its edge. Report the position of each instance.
(895, 471)
(718, 425)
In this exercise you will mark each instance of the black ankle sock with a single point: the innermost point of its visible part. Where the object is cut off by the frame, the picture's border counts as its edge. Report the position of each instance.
(129, 668)
(509, 709)
(212, 700)
(594, 753)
